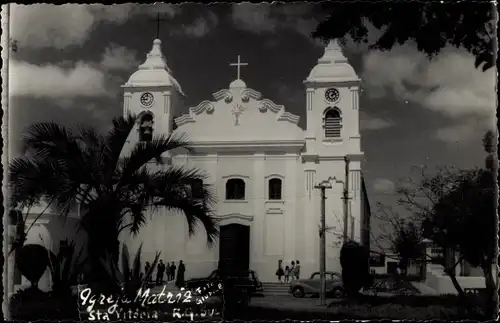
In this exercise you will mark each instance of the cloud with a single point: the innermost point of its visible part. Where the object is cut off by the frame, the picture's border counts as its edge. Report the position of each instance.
(369, 123)
(53, 81)
(44, 25)
(60, 26)
(255, 18)
(468, 130)
(449, 85)
(119, 58)
(200, 27)
(383, 185)
(272, 18)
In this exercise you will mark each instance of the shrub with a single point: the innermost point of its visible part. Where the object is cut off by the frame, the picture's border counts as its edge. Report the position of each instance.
(355, 267)
(65, 269)
(32, 261)
(32, 304)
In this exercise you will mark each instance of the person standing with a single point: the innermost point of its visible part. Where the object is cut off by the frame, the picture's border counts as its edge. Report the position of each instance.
(297, 270)
(167, 271)
(279, 272)
(173, 267)
(159, 273)
(292, 270)
(287, 274)
(179, 282)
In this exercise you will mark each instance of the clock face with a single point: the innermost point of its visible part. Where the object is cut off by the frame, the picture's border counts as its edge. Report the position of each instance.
(147, 99)
(332, 95)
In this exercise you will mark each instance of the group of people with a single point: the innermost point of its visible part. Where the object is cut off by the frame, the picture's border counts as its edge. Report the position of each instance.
(289, 273)
(170, 270)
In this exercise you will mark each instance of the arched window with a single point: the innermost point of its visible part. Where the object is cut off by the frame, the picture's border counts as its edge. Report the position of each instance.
(332, 123)
(275, 189)
(235, 189)
(146, 127)
(196, 186)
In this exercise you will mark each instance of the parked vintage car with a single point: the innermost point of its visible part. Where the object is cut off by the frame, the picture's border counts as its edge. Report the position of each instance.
(311, 286)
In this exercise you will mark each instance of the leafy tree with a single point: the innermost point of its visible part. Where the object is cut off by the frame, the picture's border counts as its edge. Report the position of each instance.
(407, 244)
(65, 267)
(466, 218)
(431, 24)
(403, 236)
(419, 197)
(79, 168)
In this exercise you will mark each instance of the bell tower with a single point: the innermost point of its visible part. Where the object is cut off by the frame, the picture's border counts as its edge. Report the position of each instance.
(332, 92)
(153, 95)
(333, 150)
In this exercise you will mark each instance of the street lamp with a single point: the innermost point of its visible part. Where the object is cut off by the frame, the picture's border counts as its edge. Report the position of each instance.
(322, 244)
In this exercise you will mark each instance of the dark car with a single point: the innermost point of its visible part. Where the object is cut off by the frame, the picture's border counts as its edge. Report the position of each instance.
(251, 280)
(311, 286)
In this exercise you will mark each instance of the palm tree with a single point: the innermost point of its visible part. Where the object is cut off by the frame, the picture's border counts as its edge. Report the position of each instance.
(69, 168)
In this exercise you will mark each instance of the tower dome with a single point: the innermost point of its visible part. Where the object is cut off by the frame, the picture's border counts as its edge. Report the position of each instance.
(332, 66)
(154, 71)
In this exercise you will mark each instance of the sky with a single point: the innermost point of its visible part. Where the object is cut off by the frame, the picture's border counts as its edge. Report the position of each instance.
(72, 59)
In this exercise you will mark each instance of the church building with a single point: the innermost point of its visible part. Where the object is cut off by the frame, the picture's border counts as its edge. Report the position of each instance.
(264, 168)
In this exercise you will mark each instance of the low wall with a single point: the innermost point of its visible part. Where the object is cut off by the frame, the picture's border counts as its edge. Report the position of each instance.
(442, 283)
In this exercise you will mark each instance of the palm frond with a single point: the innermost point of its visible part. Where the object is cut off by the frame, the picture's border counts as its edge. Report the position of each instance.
(137, 263)
(195, 211)
(149, 273)
(144, 152)
(46, 138)
(125, 263)
(32, 179)
(116, 139)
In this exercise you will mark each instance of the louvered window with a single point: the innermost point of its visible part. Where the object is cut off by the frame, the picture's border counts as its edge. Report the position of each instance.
(333, 124)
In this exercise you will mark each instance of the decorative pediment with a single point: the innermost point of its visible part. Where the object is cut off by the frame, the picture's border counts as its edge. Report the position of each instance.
(240, 99)
(282, 115)
(191, 116)
(233, 218)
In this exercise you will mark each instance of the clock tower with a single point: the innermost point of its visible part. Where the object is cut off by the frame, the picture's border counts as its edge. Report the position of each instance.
(153, 95)
(332, 91)
(333, 152)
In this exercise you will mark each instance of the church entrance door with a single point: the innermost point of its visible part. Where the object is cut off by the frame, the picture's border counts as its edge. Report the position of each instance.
(234, 246)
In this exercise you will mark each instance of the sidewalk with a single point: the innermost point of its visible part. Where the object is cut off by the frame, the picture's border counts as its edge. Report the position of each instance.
(291, 303)
(424, 289)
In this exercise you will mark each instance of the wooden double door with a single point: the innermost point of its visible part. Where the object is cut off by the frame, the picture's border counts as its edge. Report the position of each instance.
(234, 247)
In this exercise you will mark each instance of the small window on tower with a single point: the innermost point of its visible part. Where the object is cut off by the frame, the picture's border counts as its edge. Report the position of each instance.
(275, 189)
(332, 123)
(146, 128)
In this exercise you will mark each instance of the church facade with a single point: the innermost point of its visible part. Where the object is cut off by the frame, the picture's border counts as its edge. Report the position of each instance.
(263, 167)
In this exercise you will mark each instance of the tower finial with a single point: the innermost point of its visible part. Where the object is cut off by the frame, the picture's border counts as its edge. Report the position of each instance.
(158, 20)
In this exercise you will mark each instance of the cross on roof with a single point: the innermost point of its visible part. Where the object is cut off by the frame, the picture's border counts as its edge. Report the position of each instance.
(238, 65)
(158, 19)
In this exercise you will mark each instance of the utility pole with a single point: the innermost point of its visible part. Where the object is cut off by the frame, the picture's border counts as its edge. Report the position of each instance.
(346, 199)
(322, 242)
